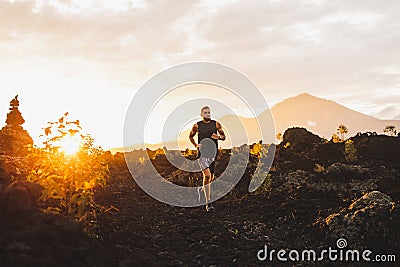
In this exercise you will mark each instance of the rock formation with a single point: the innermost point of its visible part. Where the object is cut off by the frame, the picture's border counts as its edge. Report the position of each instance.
(371, 219)
(13, 137)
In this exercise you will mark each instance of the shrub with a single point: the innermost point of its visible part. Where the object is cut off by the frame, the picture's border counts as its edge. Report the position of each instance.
(256, 149)
(261, 176)
(350, 151)
(68, 179)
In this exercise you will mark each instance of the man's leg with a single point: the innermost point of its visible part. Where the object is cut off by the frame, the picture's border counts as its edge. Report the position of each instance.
(206, 184)
(209, 186)
(212, 168)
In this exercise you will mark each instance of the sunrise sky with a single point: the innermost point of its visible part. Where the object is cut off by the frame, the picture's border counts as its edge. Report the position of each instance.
(90, 57)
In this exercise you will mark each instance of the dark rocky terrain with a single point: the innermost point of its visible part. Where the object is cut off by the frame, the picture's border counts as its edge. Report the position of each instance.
(320, 191)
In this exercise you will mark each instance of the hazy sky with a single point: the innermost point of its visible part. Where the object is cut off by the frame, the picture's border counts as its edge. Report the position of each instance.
(90, 57)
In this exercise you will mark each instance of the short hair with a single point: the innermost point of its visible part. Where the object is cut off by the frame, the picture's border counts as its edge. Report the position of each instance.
(205, 107)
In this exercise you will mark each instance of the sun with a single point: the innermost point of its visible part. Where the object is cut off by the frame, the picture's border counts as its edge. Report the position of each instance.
(70, 144)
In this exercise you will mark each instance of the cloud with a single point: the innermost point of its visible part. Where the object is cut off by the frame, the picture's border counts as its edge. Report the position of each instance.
(117, 40)
(284, 44)
(327, 49)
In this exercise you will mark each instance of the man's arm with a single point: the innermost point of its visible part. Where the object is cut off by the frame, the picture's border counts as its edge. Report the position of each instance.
(192, 134)
(220, 131)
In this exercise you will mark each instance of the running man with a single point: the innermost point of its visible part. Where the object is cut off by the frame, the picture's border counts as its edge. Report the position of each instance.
(207, 149)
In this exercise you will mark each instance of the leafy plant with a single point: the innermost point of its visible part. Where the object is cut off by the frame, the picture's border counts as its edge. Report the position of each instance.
(390, 129)
(68, 180)
(336, 138)
(350, 151)
(342, 130)
(279, 136)
(256, 149)
(261, 176)
(319, 168)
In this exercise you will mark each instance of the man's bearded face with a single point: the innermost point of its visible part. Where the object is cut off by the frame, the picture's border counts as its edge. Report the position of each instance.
(206, 114)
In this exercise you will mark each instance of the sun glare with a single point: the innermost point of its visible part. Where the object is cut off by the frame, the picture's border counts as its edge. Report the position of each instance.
(70, 144)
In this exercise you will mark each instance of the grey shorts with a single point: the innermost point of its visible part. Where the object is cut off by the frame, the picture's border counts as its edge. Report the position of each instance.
(207, 163)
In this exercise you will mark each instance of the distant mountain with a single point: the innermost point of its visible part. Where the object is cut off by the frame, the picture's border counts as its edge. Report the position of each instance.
(389, 113)
(320, 116)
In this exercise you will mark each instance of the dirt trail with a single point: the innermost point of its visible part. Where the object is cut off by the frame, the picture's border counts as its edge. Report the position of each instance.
(145, 231)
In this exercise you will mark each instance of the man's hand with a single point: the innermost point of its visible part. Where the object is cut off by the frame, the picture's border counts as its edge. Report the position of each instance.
(215, 136)
(220, 131)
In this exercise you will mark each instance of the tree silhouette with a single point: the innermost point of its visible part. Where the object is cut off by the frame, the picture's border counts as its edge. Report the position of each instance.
(342, 130)
(390, 129)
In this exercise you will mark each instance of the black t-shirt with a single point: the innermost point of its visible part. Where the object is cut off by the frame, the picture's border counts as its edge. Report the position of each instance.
(209, 148)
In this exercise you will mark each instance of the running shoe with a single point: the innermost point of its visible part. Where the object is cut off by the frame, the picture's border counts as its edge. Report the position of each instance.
(209, 207)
